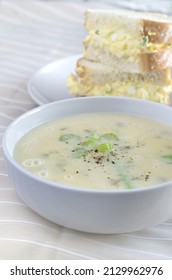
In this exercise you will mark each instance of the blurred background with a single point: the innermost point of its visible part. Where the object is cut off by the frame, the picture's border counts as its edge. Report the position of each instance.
(164, 6)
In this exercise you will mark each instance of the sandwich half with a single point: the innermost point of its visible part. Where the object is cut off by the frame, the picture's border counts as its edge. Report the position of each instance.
(138, 42)
(125, 54)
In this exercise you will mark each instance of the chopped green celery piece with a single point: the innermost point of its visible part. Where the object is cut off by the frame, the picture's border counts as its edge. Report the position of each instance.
(87, 143)
(110, 136)
(68, 137)
(97, 32)
(128, 184)
(95, 136)
(105, 147)
(92, 141)
(145, 40)
(108, 90)
(79, 152)
(110, 33)
(168, 158)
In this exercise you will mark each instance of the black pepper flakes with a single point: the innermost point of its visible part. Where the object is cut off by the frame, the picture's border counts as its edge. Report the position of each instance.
(146, 177)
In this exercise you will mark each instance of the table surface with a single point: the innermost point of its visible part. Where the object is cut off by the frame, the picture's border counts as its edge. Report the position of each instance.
(32, 34)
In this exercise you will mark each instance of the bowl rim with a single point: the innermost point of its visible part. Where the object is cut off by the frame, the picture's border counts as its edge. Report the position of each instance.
(69, 187)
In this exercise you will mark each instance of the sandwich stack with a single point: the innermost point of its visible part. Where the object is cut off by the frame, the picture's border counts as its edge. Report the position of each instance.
(126, 53)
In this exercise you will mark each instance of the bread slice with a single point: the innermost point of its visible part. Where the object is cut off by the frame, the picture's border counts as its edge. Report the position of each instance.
(157, 26)
(95, 73)
(140, 63)
(137, 42)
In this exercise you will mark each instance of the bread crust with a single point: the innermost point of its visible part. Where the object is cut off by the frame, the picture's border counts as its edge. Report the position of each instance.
(156, 61)
(157, 32)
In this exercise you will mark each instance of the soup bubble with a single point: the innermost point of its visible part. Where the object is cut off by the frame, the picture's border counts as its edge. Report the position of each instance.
(33, 162)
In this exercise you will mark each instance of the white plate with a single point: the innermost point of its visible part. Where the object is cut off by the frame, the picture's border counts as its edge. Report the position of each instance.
(49, 83)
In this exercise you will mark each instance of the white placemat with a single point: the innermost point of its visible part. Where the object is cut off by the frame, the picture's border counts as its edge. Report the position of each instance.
(32, 34)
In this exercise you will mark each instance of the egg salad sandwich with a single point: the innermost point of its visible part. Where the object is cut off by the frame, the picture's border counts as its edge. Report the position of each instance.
(125, 53)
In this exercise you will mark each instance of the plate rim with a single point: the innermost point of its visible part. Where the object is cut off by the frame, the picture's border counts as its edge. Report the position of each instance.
(35, 95)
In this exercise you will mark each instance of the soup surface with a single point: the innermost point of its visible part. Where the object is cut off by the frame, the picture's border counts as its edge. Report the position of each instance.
(99, 151)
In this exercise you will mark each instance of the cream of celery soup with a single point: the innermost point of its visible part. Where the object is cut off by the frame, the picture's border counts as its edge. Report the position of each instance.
(99, 151)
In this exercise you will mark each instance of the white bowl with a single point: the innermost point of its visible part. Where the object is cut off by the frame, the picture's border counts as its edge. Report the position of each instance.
(96, 211)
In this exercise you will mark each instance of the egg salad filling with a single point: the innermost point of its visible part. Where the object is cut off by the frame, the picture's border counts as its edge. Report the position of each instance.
(116, 42)
(122, 44)
(136, 89)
